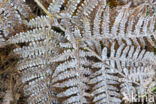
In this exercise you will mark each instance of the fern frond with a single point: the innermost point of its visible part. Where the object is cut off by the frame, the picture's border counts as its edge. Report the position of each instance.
(103, 90)
(71, 6)
(118, 61)
(72, 69)
(88, 7)
(135, 76)
(10, 18)
(125, 28)
(39, 92)
(34, 64)
(22, 8)
(127, 56)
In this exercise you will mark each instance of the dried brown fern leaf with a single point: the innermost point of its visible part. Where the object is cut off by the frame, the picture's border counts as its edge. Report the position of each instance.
(9, 76)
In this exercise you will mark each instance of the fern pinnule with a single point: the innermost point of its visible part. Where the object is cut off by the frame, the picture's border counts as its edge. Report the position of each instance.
(41, 21)
(30, 36)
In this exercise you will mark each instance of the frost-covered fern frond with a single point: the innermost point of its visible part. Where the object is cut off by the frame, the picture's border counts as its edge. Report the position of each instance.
(105, 90)
(70, 8)
(71, 75)
(129, 57)
(38, 87)
(9, 18)
(130, 26)
(59, 10)
(22, 8)
(124, 66)
(134, 81)
(12, 16)
(41, 44)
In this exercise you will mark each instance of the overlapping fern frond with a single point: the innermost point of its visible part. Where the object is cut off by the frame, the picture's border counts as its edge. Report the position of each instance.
(12, 16)
(132, 68)
(127, 27)
(34, 65)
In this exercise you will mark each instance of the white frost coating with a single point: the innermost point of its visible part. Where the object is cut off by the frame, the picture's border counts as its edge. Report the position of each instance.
(68, 92)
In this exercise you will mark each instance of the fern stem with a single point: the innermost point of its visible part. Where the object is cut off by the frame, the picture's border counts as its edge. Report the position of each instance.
(44, 9)
(96, 55)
